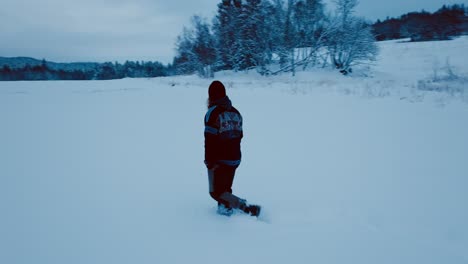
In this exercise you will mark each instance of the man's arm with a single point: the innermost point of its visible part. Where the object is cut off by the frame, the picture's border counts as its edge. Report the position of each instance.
(211, 139)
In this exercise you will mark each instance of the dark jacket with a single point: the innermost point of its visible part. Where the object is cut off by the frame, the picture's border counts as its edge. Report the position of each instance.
(223, 134)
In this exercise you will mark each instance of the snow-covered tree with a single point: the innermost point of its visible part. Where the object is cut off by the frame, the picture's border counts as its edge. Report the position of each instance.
(196, 49)
(290, 35)
(277, 37)
(226, 31)
(243, 34)
(185, 59)
(307, 18)
(250, 33)
(254, 49)
(303, 34)
(204, 47)
(350, 41)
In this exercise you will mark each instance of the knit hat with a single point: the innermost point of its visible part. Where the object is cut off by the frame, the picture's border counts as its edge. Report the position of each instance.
(216, 91)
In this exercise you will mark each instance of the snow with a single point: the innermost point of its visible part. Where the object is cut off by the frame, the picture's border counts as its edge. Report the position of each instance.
(348, 169)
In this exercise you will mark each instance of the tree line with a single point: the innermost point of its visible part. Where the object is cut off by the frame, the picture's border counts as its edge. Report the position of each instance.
(104, 71)
(274, 36)
(270, 36)
(444, 24)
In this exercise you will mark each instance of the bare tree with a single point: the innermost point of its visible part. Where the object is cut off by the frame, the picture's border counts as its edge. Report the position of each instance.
(351, 42)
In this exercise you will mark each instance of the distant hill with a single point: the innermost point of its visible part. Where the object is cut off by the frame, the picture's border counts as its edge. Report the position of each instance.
(21, 62)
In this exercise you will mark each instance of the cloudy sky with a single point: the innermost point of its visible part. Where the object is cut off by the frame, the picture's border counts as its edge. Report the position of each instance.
(119, 30)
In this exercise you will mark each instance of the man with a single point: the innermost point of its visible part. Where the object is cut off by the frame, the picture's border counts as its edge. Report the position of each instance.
(223, 134)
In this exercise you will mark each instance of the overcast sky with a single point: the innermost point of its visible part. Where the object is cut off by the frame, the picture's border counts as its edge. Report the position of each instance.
(119, 30)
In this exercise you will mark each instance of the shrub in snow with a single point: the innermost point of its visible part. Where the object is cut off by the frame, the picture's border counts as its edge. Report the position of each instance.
(447, 80)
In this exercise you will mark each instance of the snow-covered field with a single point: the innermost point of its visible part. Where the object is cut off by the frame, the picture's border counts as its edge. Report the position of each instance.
(348, 169)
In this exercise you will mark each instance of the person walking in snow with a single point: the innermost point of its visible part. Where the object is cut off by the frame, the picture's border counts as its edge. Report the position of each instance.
(223, 135)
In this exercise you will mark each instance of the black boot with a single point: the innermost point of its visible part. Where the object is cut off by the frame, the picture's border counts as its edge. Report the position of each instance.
(253, 210)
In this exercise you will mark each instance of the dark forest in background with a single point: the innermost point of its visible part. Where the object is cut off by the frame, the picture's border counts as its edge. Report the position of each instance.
(444, 24)
(15, 69)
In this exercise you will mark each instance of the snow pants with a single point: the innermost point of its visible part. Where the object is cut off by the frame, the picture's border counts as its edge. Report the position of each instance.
(220, 185)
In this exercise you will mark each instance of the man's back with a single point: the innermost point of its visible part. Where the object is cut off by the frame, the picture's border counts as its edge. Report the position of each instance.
(223, 133)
